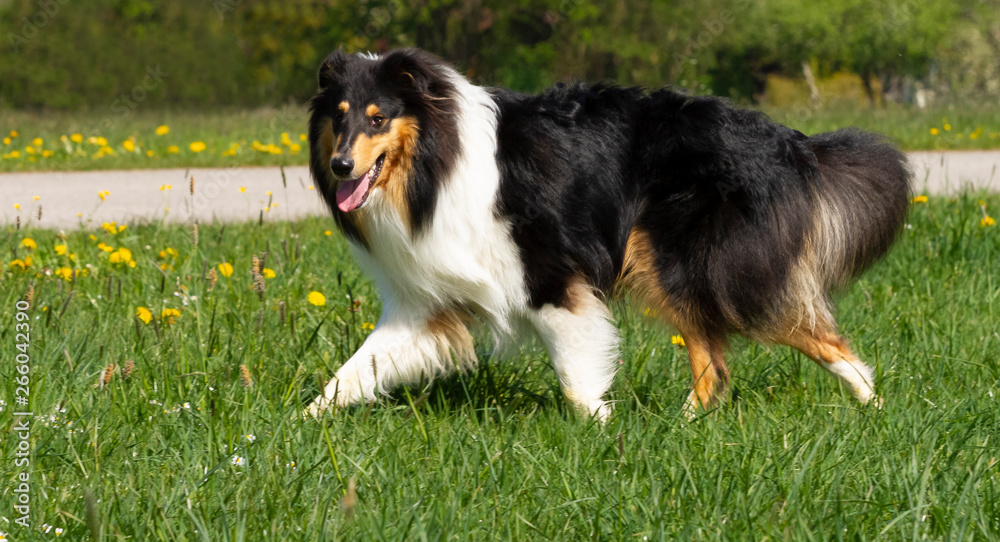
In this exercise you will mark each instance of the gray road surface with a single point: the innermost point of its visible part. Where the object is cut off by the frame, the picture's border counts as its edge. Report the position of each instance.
(70, 200)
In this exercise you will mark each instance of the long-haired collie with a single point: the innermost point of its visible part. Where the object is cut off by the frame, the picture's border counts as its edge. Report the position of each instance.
(526, 212)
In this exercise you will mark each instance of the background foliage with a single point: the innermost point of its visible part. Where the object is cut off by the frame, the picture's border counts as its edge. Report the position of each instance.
(60, 54)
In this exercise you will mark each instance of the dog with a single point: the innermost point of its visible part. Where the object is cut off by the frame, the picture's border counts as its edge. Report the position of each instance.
(527, 212)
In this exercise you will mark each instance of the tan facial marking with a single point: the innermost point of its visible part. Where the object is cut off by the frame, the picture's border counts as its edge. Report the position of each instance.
(344, 107)
(372, 110)
(399, 145)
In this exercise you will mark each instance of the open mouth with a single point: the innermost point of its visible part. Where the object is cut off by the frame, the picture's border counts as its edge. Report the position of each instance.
(353, 194)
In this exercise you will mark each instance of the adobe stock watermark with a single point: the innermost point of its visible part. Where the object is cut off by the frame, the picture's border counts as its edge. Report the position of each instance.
(225, 7)
(21, 428)
(713, 28)
(378, 19)
(31, 25)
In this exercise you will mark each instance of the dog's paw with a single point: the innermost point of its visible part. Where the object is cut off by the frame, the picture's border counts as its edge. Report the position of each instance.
(601, 410)
(691, 407)
(317, 408)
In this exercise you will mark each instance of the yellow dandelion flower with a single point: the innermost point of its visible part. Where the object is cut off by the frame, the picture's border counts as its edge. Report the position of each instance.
(15, 154)
(919, 199)
(129, 145)
(173, 149)
(29, 149)
(226, 269)
(150, 153)
(36, 198)
(102, 142)
(367, 326)
(295, 148)
(987, 221)
(197, 146)
(64, 273)
(171, 252)
(170, 316)
(38, 142)
(935, 131)
(47, 153)
(162, 130)
(677, 339)
(6, 141)
(317, 299)
(120, 256)
(166, 187)
(243, 189)
(61, 250)
(947, 127)
(13, 133)
(302, 137)
(17, 206)
(328, 233)
(20, 264)
(268, 193)
(269, 273)
(144, 314)
(110, 227)
(310, 187)
(29, 243)
(105, 248)
(76, 138)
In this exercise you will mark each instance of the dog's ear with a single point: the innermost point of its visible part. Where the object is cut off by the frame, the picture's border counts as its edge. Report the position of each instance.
(418, 71)
(332, 68)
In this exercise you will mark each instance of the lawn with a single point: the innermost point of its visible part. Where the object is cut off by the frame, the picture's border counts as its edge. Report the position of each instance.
(73, 141)
(166, 406)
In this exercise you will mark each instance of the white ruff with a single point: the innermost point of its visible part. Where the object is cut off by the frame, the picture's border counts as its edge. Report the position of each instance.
(466, 257)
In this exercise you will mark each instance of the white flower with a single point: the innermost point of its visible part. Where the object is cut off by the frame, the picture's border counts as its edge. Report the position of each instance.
(59, 531)
(251, 438)
(239, 461)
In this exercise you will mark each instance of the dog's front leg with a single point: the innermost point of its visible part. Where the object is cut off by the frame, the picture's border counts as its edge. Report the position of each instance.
(399, 351)
(583, 345)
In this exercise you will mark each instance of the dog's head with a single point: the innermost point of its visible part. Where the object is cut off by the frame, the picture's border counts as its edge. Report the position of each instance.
(380, 123)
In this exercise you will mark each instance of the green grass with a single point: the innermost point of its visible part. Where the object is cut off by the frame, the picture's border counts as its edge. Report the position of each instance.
(495, 454)
(218, 130)
(975, 127)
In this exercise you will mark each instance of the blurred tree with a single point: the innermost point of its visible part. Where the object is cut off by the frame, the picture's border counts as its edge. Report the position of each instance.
(242, 53)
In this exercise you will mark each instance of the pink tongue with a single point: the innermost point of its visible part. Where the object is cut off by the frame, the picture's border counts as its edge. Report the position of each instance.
(352, 193)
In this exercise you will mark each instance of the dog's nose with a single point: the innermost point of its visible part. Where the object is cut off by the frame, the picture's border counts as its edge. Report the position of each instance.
(342, 166)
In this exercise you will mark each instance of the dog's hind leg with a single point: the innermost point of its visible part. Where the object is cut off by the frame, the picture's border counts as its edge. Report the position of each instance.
(831, 352)
(708, 367)
(583, 345)
(399, 351)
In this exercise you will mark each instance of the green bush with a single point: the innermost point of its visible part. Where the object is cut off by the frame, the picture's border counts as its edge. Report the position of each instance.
(239, 53)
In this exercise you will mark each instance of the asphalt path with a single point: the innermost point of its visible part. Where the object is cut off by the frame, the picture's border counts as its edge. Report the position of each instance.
(73, 199)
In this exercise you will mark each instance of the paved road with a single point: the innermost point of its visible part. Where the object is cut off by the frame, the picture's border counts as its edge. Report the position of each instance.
(71, 200)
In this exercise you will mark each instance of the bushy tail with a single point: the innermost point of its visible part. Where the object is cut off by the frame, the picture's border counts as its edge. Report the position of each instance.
(863, 196)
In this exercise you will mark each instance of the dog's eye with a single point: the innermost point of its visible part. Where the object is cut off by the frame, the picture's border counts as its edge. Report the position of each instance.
(378, 121)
